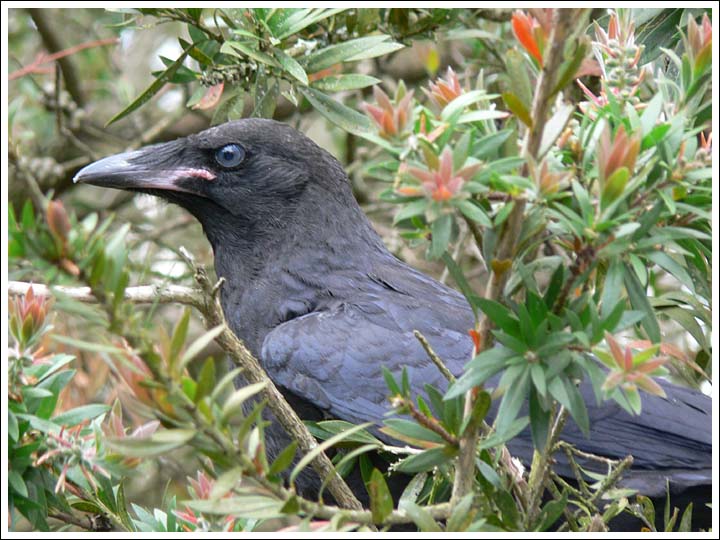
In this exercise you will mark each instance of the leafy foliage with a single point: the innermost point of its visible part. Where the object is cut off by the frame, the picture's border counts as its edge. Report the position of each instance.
(611, 258)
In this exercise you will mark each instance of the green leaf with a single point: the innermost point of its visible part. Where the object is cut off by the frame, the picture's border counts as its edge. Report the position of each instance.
(16, 482)
(473, 212)
(299, 21)
(500, 315)
(688, 321)
(307, 458)
(459, 152)
(660, 31)
(291, 65)
(498, 438)
(160, 442)
(614, 186)
(478, 116)
(235, 402)
(381, 501)
(225, 482)
(243, 50)
(463, 101)
(551, 512)
(539, 419)
(562, 389)
(421, 517)
(381, 49)
(284, 459)
(570, 67)
(343, 82)
(245, 506)
(674, 268)
(75, 416)
(462, 515)
(179, 336)
(151, 90)
(225, 383)
(327, 428)
(639, 301)
(655, 136)
(410, 210)
(198, 53)
(12, 426)
(512, 400)
(457, 274)
(410, 431)
(205, 380)
(650, 115)
(87, 345)
(426, 461)
(487, 147)
(342, 52)
(265, 98)
(390, 382)
(515, 106)
(441, 230)
(686, 519)
(339, 114)
(198, 345)
(537, 374)
(478, 370)
(518, 77)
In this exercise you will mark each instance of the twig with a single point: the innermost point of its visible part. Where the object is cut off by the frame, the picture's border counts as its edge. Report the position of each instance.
(142, 294)
(594, 457)
(430, 423)
(71, 520)
(541, 467)
(434, 357)
(254, 373)
(52, 43)
(576, 471)
(612, 478)
(43, 58)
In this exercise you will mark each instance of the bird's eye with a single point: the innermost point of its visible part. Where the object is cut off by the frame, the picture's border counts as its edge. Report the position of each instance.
(230, 155)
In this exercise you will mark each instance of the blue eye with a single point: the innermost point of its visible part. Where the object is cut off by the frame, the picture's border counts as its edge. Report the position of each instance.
(230, 155)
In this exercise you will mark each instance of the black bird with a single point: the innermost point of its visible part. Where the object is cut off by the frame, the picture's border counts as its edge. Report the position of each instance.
(315, 294)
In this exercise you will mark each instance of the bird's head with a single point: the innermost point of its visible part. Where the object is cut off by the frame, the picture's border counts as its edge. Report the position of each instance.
(249, 175)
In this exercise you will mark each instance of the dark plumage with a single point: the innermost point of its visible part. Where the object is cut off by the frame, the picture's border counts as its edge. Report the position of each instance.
(316, 296)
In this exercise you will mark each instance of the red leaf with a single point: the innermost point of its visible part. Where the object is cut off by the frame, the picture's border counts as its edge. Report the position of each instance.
(522, 28)
(211, 97)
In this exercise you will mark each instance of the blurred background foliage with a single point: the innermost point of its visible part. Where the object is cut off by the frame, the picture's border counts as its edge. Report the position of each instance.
(430, 152)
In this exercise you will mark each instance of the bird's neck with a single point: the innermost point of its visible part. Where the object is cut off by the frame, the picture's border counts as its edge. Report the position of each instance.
(273, 267)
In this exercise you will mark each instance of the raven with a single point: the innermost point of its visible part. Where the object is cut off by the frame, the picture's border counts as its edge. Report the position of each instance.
(315, 294)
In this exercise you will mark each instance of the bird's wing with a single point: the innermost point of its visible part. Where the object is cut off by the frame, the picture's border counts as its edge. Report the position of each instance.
(672, 439)
(334, 358)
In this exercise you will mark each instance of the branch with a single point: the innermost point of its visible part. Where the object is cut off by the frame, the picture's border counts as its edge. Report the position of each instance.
(143, 294)
(42, 58)
(254, 373)
(434, 357)
(563, 26)
(52, 43)
(426, 421)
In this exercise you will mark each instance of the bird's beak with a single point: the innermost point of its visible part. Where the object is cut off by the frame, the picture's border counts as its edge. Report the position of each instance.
(142, 170)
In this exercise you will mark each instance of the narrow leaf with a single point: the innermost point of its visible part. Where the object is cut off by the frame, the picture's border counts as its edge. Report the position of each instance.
(151, 90)
(339, 114)
(198, 345)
